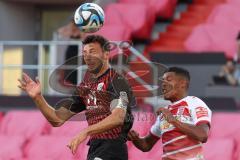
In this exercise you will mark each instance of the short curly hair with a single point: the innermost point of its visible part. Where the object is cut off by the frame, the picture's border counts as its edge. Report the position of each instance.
(104, 43)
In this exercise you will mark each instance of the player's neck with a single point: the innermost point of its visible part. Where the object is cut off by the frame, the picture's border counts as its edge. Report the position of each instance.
(177, 98)
(104, 68)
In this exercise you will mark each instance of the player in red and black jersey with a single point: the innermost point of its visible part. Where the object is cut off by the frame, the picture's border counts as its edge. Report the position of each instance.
(106, 97)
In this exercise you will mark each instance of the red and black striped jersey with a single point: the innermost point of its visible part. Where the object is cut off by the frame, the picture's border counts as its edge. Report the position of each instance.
(98, 96)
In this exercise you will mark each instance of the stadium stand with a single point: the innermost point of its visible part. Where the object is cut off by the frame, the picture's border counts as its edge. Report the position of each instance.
(28, 120)
(56, 145)
(216, 149)
(163, 9)
(69, 129)
(115, 32)
(12, 148)
(123, 14)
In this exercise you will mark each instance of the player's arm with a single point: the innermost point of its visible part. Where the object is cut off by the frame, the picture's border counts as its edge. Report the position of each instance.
(33, 89)
(198, 131)
(144, 144)
(55, 117)
(115, 119)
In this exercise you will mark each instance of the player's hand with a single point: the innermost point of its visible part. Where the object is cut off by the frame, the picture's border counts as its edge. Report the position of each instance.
(133, 135)
(167, 114)
(73, 145)
(31, 87)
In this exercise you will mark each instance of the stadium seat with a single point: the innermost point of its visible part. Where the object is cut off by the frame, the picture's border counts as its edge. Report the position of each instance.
(180, 29)
(53, 147)
(173, 35)
(11, 147)
(200, 8)
(218, 15)
(115, 32)
(124, 14)
(233, 2)
(143, 121)
(69, 129)
(223, 126)
(216, 149)
(163, 8)
(24, 123)
(154, 154)
(196, 17)
(159, 48)
(210, 37)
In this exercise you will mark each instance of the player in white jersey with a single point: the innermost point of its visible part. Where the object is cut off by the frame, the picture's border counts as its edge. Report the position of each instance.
(183, 126)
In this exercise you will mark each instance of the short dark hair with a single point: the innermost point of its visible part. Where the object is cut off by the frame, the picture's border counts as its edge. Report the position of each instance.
(179, 71)
(104, 43)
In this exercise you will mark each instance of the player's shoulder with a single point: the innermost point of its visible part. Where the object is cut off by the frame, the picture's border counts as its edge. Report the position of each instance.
(118, 76)
(193, 98)
(195, 101)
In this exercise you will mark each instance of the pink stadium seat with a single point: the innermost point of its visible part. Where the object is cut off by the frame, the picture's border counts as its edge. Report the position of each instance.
(163, 8)
(223, 126)
(11, 147)
(219, 149)
(143, 121)
(234, 2)
(53, 147)
(199, 33)
(219, 14)
(125, 14)
(69, 129)
(154, 154)
(210, 37)
(24, 123)
(115, 32)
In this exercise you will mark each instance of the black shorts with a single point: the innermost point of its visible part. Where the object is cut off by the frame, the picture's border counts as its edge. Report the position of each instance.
(107, 150)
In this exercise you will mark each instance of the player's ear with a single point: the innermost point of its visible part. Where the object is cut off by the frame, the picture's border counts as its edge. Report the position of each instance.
(184, 83)
(106, 55)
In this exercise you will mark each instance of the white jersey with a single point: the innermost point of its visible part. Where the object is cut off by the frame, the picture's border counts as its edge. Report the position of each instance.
(177, 145)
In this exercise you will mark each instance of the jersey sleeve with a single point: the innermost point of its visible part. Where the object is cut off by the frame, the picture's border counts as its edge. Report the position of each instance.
(155, 129)
(122, 96)
(73, 104)
(200, 112)
(77, 103)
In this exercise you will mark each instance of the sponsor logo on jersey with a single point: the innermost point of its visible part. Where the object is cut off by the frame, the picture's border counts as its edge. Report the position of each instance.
(100, 86)
(201, 112)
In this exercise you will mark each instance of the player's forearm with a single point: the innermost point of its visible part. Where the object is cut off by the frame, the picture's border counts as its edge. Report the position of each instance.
(110, 122)
(141, 144)
(48, 112)
(195, 132)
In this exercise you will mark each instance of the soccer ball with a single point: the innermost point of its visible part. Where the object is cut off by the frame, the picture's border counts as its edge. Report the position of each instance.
(89, 17)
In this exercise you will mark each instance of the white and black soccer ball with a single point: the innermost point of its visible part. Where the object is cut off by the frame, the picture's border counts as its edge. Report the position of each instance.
(89, 17)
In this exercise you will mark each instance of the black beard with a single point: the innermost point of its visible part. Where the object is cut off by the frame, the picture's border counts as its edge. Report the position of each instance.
(98, 69)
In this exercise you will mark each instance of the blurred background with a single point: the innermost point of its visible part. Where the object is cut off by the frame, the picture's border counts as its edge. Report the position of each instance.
(202, 36)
